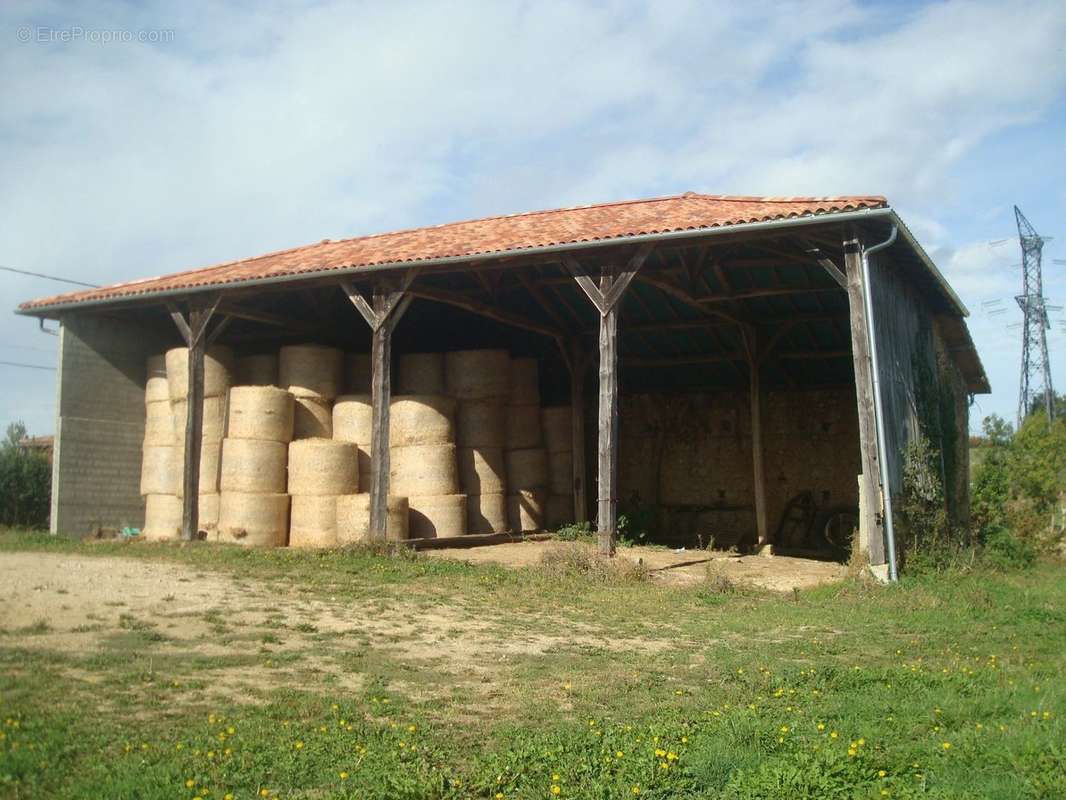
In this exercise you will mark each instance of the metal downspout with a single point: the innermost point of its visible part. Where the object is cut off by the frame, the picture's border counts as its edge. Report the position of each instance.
(879, 409)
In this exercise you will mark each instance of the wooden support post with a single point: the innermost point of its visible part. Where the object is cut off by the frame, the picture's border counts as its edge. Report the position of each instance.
(870, 525)
(382, 313)
(751, 343)
(606, 298)
(607, 441)
(194, 331)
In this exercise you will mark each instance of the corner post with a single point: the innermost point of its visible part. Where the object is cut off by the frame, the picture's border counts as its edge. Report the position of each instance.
(871, 538)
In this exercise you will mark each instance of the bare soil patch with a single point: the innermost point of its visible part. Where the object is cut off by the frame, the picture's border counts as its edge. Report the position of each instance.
(684, 568)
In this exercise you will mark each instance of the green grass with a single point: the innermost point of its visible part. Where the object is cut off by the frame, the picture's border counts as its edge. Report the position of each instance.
(950, 686)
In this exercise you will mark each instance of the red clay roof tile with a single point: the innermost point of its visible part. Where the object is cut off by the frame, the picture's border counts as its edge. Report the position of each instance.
(534, 229)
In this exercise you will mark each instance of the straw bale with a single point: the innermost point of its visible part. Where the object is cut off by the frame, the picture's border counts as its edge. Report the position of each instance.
(253, 520)
(437, 516)
(311, 370)
(353, 518)
(218, 366)
(482, 470)
(481, 424)
(253, 466)
(260, 412)
(323, 467)
(429, 469)
(477, 374)
(486, 513)
(421, 419)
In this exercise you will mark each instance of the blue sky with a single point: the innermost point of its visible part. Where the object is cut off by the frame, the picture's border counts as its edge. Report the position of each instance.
(254, 127)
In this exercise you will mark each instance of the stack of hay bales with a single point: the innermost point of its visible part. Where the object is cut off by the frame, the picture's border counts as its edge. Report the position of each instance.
(313, 374)
(478, 380)
(320, 471)
(254, 506)
(559, 442)
(423, 466)
(218, 368)
(159, 458)
(527, 460)
(352, 415)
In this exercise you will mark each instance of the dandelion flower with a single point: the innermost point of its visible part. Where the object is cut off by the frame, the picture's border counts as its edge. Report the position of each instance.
(190, 783)
(343, 776)
(556, 789)
(946, 745)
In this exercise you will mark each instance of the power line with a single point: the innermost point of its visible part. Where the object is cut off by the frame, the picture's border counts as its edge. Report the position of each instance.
(26, 366)
(48, 277)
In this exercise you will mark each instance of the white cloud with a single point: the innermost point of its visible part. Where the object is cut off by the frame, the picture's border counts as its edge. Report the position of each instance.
(261, 129)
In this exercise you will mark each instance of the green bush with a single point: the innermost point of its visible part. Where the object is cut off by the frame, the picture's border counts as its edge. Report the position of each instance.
(25, 483)
(1003, 550)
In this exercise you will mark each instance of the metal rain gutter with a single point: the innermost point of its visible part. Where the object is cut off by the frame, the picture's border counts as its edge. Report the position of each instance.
(879, 409)
(775, 224)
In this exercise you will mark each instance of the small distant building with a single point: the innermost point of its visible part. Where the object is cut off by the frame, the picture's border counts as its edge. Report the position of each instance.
(42, 445)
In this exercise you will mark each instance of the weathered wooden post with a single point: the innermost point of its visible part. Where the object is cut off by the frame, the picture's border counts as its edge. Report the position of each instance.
(382, 314)
(870, 523)
(194, 331)
(606, 297)
(751, 344)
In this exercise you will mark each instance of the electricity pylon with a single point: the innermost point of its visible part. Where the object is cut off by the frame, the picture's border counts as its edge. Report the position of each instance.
(1036, 367)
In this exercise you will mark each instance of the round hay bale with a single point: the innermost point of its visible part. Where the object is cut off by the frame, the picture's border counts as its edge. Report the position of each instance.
(260, 412)
(486, 513)
(253, 520)
(218, 365)
(323, 467)
(259, 369)
(253, 466)
(482, 470)
(208, 514)
(421, 373)
(525, 510)
(421, 419)
(311, 418)
(311, 370)
(156, 388)
(477, 374)
(313, 521)
(210, 464)
(357, 373)
(162, 518)
(527, 469)
(437, 516)
(481, 424)
(352, 416)
(159, 469)
(561, 472)
(559, 511)
(158, 423)
(353, 518)
(555, 424)
(523, 427)
(524, 382)
(213, 426)
(429, 469)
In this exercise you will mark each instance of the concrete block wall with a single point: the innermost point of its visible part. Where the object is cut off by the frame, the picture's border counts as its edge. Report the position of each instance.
(100, 424)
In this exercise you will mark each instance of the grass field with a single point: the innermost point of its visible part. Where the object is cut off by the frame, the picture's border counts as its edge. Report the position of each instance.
(241, 674)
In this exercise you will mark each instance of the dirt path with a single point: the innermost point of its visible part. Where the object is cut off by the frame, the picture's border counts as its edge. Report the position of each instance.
(152, 611)
(687, 567)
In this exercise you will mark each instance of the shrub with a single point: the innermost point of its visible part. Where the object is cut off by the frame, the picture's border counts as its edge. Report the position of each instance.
(1005, 551)
(576, 559)
(25, 483)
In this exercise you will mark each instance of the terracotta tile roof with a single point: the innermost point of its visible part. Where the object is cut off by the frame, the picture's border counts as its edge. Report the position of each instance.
(594, 223)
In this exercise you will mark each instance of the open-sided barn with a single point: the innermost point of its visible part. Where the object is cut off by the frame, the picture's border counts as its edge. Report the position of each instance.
(743, 371)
